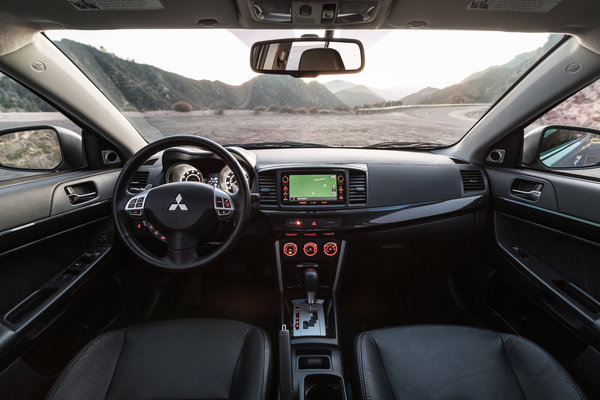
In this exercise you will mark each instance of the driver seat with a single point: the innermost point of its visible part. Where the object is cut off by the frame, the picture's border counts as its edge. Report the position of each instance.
(176, 359)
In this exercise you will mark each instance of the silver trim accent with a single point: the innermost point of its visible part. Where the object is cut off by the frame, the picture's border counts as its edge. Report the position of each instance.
(338, 270)
(278, 261)
(18, 228)
(106, 154)
(500, 159)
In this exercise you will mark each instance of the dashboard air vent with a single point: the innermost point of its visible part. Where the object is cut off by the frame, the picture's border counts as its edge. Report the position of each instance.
(357, 192)
(138, 182)
(150, 161)
(472, 180)
(267, 188)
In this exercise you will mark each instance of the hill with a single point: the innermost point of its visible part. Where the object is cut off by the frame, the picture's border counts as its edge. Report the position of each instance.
(352, 94)
(133, 86)
(393, 93)
(14, 97)
(484, 86)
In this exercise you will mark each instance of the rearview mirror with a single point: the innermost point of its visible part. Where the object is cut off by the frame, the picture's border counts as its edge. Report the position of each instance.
(307, 57)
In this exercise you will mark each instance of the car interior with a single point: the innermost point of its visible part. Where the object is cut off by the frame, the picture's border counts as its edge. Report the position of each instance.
(186, 266)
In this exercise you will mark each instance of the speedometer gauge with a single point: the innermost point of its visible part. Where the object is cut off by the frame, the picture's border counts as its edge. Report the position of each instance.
(191, 175)
(228, 180)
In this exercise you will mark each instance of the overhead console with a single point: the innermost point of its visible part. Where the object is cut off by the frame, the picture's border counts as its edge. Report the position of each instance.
(314, 12)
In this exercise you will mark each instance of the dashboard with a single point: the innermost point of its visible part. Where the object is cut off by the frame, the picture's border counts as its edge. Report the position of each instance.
(324, 190)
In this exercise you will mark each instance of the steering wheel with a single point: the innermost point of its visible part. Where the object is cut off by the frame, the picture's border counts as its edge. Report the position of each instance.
(182, 214)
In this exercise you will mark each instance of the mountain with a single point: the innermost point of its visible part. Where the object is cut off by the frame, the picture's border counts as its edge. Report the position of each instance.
(338, 85)
(484, 86)
(394, 93)
(133, 86)
(419, 97)
(15, 97)
(358, 96)
(352, 94)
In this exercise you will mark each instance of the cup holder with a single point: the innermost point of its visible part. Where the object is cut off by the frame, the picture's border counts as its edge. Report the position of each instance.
(323, 387)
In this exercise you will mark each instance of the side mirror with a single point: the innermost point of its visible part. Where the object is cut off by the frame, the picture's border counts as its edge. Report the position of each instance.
(562, 147)
(41, 148)
(308, 57)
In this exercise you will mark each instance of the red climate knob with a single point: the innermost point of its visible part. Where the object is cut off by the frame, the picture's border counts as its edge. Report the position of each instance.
(330, 249)
(290, 249)
(310, 249)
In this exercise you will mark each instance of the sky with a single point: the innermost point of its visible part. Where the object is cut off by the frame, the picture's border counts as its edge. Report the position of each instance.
(400, 58)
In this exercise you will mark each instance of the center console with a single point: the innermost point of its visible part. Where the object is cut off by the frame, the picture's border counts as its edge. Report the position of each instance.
(306, 206)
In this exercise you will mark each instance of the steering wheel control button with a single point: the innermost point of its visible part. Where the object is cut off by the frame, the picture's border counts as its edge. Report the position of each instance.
(330, 249)
(223, 203)
(310, 249)
(290, 249)
(136, 205)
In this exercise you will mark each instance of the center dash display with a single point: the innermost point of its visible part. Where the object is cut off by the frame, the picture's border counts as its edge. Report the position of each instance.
(313, 187)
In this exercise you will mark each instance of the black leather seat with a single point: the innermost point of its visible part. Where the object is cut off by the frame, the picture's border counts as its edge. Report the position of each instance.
(457, 363)
(178, 359)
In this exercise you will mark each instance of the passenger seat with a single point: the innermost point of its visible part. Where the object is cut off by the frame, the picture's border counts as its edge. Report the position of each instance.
(452, 363)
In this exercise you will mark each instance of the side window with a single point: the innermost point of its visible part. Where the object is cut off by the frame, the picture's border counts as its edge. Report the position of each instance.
(567, 138)
(34, 137)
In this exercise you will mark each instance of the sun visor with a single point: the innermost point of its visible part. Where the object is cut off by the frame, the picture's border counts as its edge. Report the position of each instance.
(130, 14)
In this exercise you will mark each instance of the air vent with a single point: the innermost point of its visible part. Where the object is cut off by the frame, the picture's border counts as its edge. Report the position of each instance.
(472, 180)
(138, 182)
(357, 193)
(150, 161)
(267, 188)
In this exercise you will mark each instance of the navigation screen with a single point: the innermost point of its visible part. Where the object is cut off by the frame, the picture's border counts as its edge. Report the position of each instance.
(313, 187)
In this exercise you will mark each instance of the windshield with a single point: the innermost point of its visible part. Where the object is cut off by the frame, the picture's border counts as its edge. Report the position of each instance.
(418, 88)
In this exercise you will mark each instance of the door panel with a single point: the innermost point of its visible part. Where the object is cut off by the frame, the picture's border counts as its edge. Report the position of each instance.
(52, 253)
(553, 245)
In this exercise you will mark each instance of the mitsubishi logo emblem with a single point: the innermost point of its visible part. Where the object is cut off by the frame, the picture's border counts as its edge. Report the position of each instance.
(178, 204)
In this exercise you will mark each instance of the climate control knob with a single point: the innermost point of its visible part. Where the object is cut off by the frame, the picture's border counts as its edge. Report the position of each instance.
(290, 249)
(330, 249)
(310, 249)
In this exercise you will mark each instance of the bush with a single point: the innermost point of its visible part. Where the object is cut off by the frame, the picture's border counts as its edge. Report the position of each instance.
(313, 110)
(182, 106)
(301, 110)
(273, 107)
(260, 109)
(219, 111)
(324, 112)
(287, 110)
(341, 107)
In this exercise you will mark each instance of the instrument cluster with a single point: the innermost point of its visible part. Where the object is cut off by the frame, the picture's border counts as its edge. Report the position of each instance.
(223, 178)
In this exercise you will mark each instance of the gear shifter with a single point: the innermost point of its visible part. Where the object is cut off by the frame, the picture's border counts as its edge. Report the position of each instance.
(311, 284)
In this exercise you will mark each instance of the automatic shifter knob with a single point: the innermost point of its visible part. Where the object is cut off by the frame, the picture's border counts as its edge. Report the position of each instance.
(311, 283)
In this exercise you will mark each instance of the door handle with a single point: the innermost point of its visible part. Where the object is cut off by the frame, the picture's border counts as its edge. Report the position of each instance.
(75, 197)
(532, 195)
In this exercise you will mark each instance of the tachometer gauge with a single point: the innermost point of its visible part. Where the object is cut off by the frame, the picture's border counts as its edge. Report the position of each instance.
(228, 180)
(183, 173)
